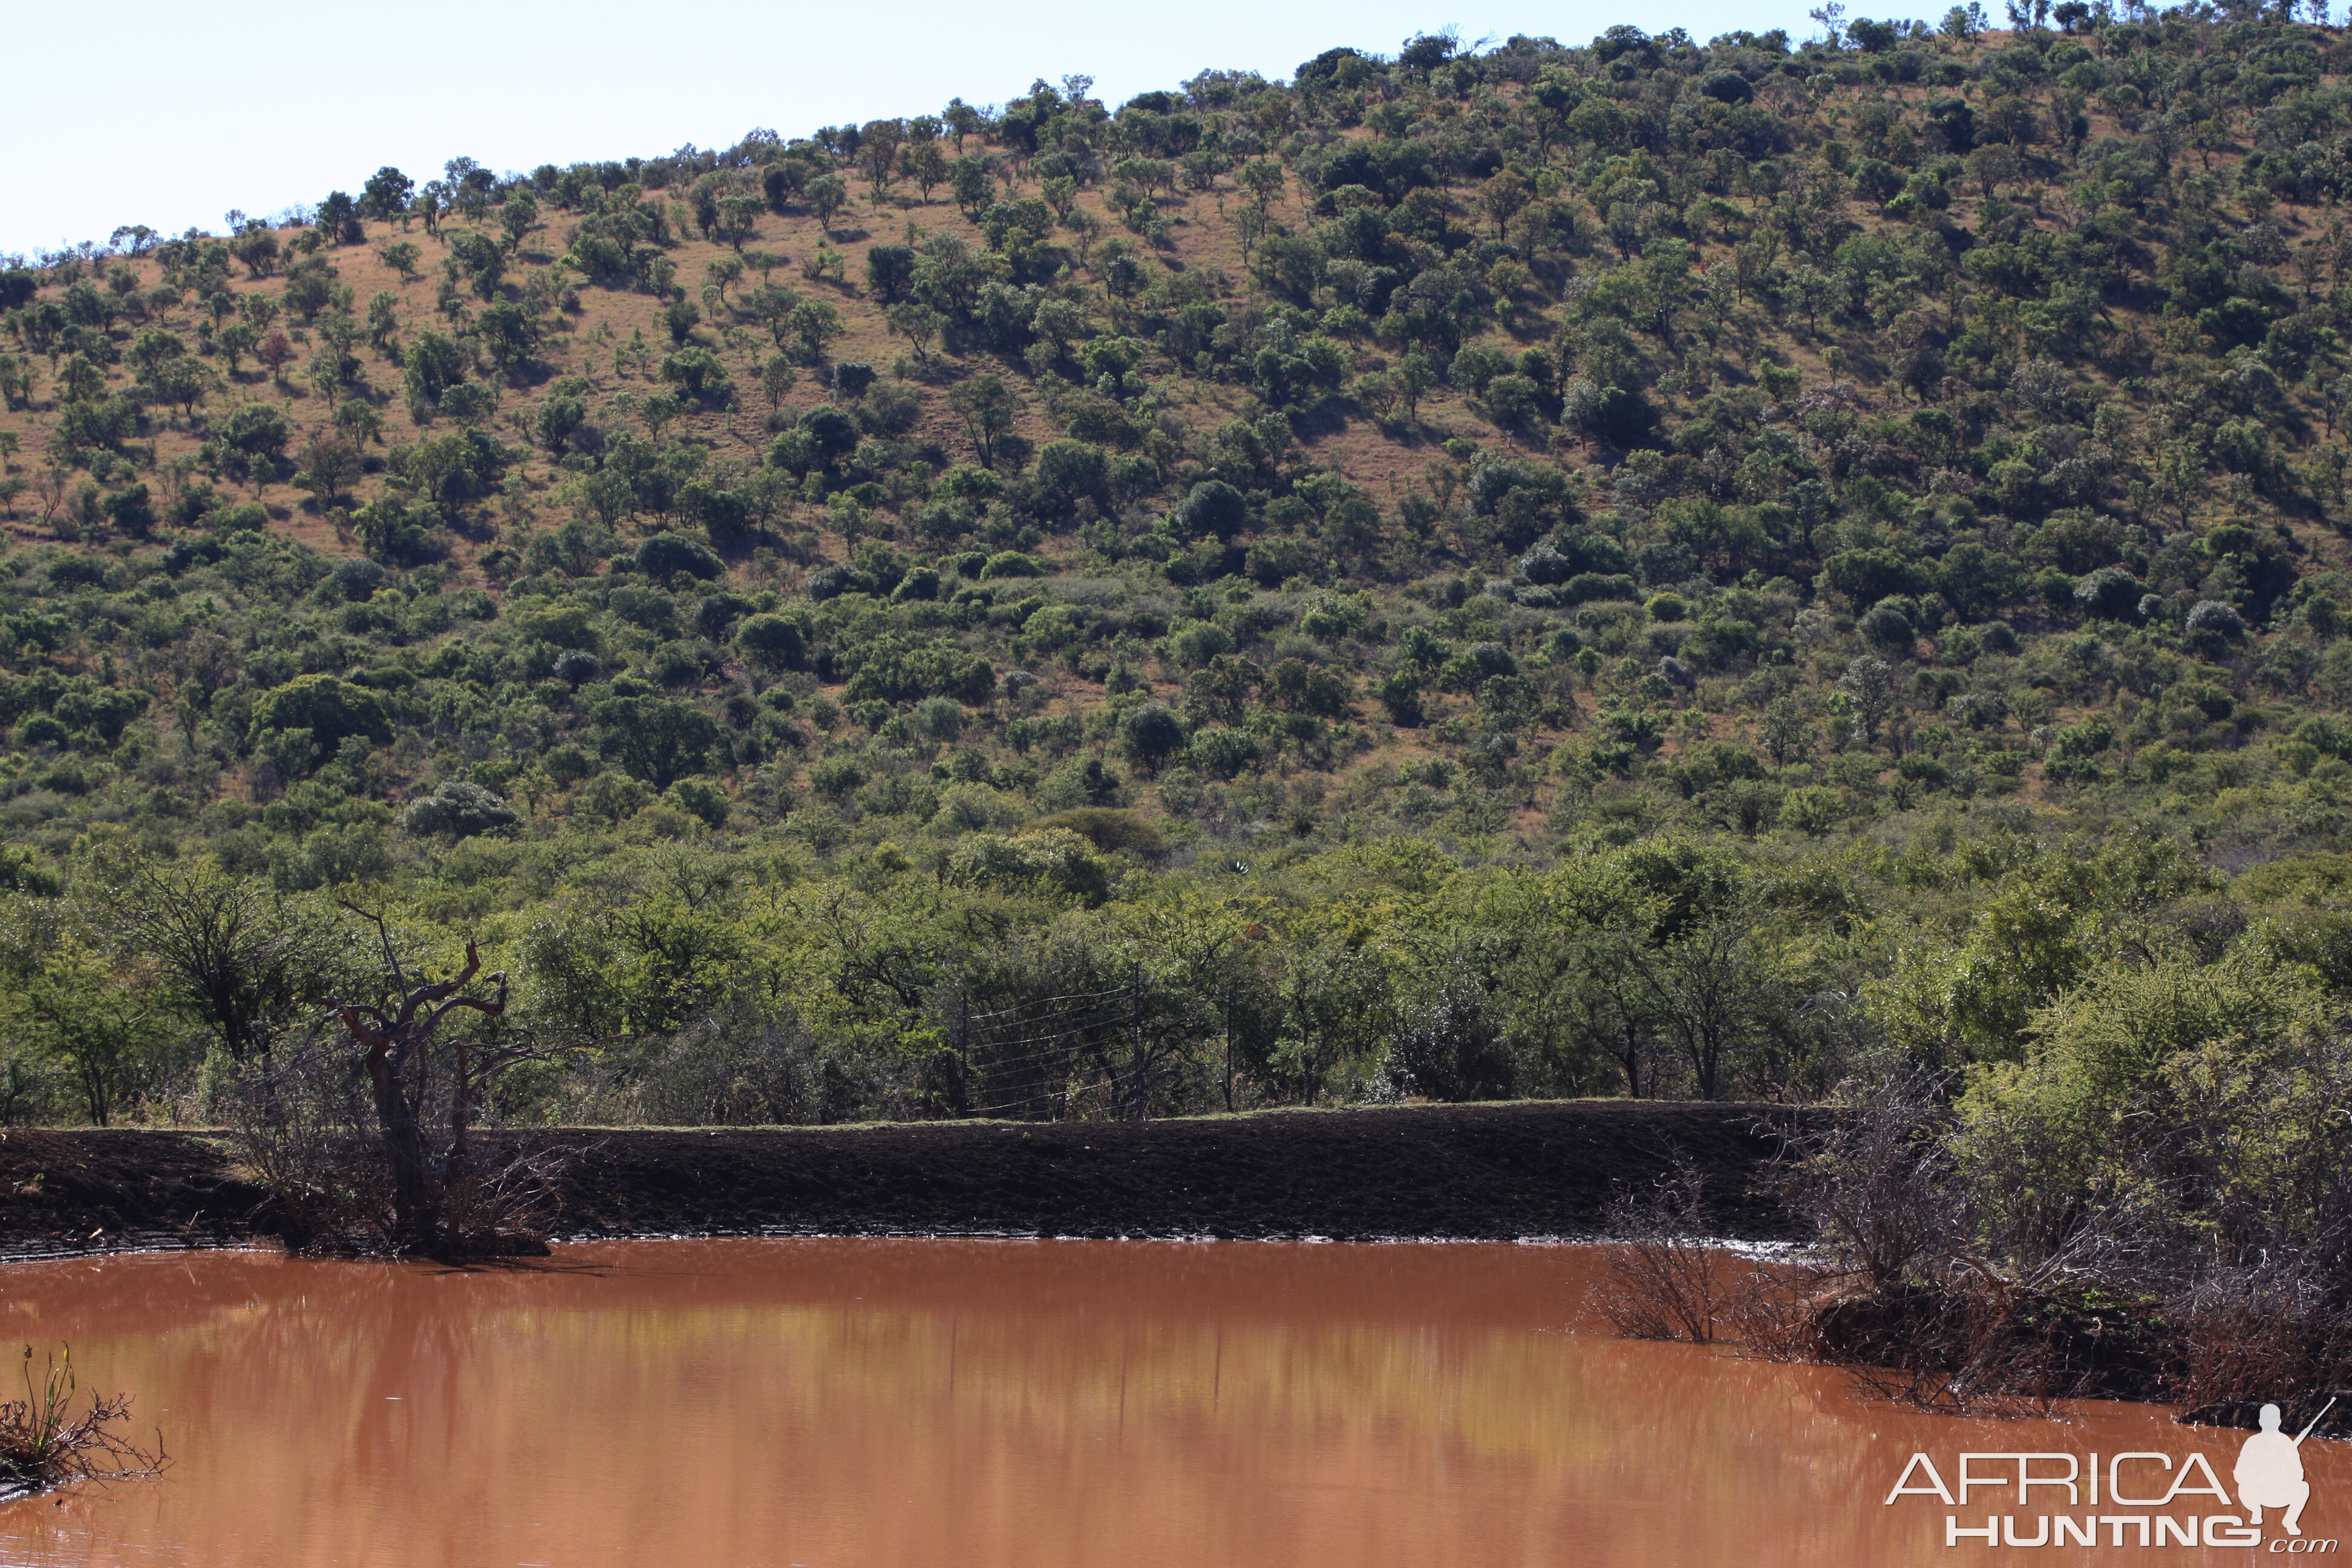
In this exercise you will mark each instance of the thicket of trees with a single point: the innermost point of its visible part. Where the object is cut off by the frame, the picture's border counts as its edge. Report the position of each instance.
(1645, 567)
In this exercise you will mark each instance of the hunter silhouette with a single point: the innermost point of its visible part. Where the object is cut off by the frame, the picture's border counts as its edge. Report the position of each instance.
(2268, 1472)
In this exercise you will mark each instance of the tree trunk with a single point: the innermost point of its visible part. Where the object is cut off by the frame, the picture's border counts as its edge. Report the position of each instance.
(416, 1205)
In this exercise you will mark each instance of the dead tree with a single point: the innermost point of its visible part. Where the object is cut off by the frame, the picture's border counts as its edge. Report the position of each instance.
(418, 1078)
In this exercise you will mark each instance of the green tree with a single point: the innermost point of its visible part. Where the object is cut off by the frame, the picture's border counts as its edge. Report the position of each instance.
(151, 348)
(774, 641)
(738, 219)
(918, 323)
(659, 741)
(776, 379)
(890, 270)
(510, 334)
(330, 465)
(726, 270)
(1152, 734)
(386, 194)
(184, 382)
(238, 340)
(1415, 378)
(925, 165)
(434, 362)
(332, 710)
(969, 182)
(94, 1020)
(256, 247)
(813, 323)
(989, 410)
(245, 961)
(771, 305)
(257, 434)
(826, 196)
(80, 381)
(480, 258)
(698, 373)
(516, 218)
(360, 422)
(1721, 995)
(383, 322)
(1868, 692)
(1262, 178)
(962, 120)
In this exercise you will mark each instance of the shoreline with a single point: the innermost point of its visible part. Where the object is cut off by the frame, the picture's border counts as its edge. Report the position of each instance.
(1537, 1170)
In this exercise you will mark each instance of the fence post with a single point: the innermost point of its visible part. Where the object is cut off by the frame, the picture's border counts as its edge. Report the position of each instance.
(1143, 1074)
(963, 1052)
(1229, 1048)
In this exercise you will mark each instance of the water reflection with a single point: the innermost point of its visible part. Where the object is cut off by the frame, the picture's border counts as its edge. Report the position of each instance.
(935, 1403)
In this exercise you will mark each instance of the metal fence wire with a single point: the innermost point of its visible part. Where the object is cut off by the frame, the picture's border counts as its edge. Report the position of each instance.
(1041, 1058)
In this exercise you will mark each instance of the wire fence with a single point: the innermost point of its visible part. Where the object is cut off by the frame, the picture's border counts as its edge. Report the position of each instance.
(1049, 1056)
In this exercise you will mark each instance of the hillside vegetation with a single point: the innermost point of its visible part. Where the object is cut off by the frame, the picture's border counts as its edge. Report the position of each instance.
(1637, 568)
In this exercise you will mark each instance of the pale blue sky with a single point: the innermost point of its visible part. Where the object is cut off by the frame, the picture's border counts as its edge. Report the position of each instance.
(169, 113)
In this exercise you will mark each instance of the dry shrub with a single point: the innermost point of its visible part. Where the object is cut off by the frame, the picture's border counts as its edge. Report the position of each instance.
(1875, 1189)
(1956, 1346)
(301, 1126)
(1664, 1281)
(1775, 1310)
(2248, 1336)
(298, 1122)
(42, 1444)
(1898, 1296)
(1966, 1267)
(1894, 1291)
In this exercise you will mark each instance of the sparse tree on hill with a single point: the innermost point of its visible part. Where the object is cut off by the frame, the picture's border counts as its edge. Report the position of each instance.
(826, 197)
(989, 410)
(258, 248)
(814, 323)
(360, 422)
(331, 464)
(276, 352)
(969, 182)
(386, 194)
(738, 219)
(726, 270)
(925, 165)
(1262, 178)
(516, 218)
(776, 379)
(963, 120)
(918, 323)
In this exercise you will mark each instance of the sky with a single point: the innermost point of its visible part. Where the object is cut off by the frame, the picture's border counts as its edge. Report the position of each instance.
(170, 114)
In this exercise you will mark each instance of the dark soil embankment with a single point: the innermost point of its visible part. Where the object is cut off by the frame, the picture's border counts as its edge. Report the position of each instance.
(1470, 1171)
(1486, 1173)
(117, 1190)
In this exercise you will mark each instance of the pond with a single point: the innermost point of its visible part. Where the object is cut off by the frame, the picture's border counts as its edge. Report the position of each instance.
(854, 1404)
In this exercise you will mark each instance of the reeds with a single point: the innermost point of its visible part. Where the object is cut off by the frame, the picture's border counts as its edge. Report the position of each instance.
(43, 1445)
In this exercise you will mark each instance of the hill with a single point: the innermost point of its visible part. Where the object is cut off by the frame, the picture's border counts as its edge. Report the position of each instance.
(1641, 567)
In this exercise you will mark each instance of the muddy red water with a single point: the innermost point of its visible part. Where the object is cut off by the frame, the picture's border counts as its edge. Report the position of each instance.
(1030, 1404)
